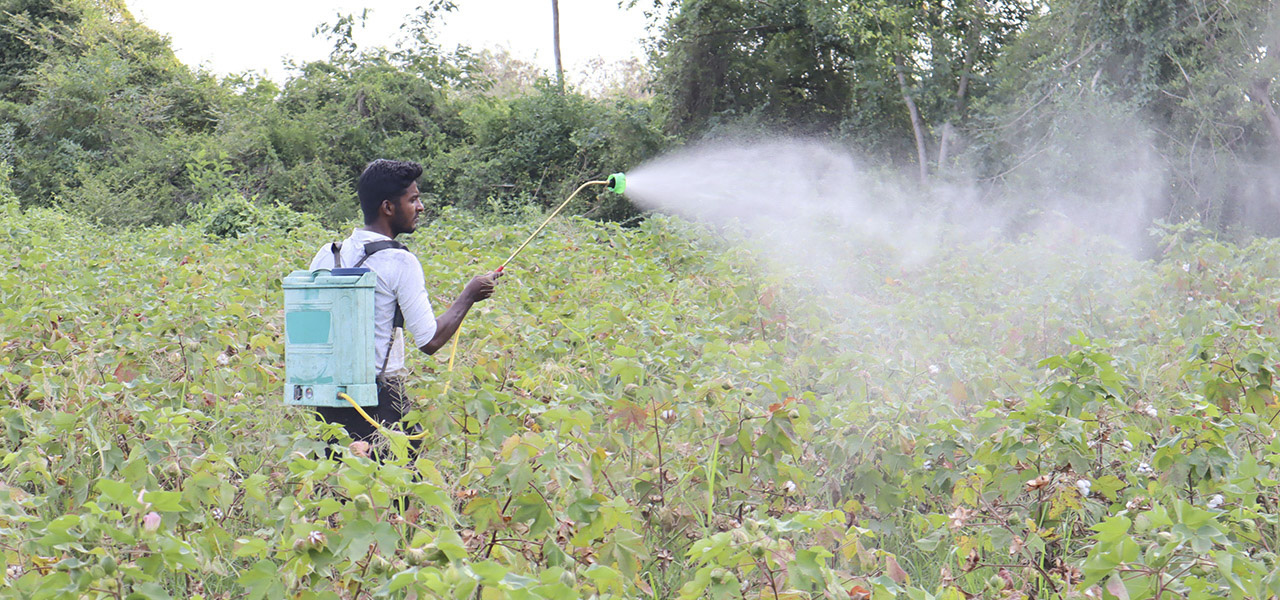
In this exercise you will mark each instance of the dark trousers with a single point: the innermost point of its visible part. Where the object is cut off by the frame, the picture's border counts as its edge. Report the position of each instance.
(392, 404)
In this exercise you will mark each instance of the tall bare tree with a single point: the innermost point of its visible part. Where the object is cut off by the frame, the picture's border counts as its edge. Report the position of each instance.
(555, 27)
(917, 123)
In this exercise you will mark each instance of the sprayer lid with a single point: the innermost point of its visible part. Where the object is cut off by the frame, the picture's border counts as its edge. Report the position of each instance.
(346, 271)
(361, 277)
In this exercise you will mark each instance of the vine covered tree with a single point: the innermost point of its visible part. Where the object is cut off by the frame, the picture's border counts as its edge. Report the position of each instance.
(1190, 82)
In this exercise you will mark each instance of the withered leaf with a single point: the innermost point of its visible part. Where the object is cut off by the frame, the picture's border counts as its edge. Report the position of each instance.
(1037, 483)
(894, 571)
(630, 415)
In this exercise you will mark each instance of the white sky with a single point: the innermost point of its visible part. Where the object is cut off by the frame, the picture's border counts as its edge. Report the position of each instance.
(231, 36)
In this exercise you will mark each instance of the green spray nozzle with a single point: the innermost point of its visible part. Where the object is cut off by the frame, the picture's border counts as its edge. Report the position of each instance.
(617, 183)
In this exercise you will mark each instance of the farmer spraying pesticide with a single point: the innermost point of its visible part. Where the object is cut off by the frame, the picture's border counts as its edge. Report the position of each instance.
(389, 198)
(345, 317)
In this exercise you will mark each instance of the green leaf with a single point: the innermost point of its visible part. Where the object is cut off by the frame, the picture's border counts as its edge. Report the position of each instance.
(119, 493)
(808, 566)
(1108, 486)
(165, 501)
(149, 591)
(489, 571)
(930, 543)
(1115, 586)
(1112, 528)
(403, 579)
(250, 547)
(262, 580)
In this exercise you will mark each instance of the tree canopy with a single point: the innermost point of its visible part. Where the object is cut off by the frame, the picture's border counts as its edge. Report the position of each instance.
(1025, 95)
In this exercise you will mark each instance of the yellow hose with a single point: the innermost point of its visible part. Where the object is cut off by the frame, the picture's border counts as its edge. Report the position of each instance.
(454, 351)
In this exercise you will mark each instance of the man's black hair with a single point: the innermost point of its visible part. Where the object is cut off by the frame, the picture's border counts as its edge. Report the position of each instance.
(384, 179)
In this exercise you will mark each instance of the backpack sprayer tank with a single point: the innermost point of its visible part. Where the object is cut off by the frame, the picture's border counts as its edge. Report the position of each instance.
(328, 330)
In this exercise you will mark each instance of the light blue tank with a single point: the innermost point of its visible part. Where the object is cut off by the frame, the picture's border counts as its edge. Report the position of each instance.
(328, 330)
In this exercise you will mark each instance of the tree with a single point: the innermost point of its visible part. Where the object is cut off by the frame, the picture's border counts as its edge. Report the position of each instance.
(780, 63)
(1193, 78)
(882, 71)
(100, 91)
(940, 55)
(25, 28)
(555, 40)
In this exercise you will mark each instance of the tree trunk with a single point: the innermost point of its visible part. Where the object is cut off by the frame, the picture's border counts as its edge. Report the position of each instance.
(1260, 92)
(962, 94)
(917, 125)
(555, 26)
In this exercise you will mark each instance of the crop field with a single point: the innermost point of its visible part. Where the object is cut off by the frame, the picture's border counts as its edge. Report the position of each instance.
(654, 412)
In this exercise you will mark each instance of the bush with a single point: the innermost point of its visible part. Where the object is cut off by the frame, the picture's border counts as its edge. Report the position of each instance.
(233, 215)
(324, 189)
(537, 149)
(8, 200)
(145, 188)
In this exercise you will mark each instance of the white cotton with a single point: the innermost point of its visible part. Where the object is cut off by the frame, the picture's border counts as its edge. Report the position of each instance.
(1084, 485)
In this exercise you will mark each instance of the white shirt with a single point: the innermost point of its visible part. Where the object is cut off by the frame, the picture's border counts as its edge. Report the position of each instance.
(400, 280)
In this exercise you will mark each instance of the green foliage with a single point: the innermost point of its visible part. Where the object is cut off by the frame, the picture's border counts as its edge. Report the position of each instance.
(729, 59)
(232, 215)
(27, 24)
(8, 200)
(1187, 87)
(1032, 96)
(938, 57)
(107, 113)
(824, 67)
(223, 209)
(104, 121)
(645, 414)
(537, 149)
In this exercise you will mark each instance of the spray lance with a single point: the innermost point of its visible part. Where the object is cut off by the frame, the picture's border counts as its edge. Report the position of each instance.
(616, 183)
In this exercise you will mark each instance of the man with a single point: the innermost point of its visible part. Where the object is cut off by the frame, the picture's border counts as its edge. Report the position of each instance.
(388, 192)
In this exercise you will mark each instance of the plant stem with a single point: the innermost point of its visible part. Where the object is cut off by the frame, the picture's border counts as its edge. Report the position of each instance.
(711, 479)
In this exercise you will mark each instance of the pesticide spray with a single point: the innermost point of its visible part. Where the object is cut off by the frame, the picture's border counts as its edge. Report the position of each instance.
(843, 235)
(806, 204)
(792, 194)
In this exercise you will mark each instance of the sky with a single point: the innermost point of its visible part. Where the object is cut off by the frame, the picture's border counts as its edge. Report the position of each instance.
(232, 36)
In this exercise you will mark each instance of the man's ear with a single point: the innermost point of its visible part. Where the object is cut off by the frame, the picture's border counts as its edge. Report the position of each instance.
(387, 208)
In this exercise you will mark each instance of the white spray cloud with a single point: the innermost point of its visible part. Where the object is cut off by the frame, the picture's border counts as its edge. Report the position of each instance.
(826, 220)
(791, 194)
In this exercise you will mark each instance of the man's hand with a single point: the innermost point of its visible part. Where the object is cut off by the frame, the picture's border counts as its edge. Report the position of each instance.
(481, 286)
(476, 290)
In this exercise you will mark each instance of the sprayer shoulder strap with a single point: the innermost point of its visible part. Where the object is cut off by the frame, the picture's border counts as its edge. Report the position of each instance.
(369, 250)
(397, 320)
(336, 249)
(373, 247)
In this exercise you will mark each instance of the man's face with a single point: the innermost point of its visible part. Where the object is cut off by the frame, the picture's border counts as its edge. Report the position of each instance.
(405, 211)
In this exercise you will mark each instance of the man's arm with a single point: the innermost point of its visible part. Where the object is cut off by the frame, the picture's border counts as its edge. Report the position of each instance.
(477, 290)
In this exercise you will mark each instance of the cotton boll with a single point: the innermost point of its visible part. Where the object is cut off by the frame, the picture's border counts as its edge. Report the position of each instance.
(1083, 486)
